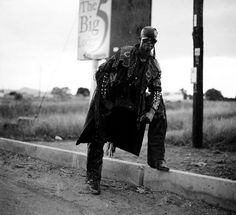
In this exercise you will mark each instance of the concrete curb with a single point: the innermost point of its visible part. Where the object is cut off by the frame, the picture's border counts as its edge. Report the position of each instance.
(112, 168)
(217, 191)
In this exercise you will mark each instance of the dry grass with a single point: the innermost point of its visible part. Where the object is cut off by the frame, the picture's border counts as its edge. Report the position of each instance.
(66, 118)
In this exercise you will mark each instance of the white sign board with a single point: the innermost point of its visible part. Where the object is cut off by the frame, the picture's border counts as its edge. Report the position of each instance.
(94, 29)
(197, 51)
(194, 75)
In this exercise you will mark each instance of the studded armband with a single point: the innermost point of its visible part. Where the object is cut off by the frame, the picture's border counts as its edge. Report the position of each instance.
(156, 100)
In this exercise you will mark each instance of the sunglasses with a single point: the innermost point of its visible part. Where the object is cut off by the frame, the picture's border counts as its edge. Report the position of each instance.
(146, 40)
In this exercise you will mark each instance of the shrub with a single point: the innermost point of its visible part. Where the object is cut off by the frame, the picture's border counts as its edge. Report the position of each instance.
(13, 108)
(83, 91)
(214, 95)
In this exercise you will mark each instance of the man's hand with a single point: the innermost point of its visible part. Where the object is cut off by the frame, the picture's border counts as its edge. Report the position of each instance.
(147, 117)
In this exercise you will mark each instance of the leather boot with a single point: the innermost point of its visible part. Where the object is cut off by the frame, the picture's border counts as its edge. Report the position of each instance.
(162, 167)
(93, 186)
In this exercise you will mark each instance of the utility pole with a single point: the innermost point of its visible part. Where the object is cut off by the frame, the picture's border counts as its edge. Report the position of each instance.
(197, 126)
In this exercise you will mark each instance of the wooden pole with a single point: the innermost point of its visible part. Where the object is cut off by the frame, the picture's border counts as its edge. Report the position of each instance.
(197, 126)
(93, 80)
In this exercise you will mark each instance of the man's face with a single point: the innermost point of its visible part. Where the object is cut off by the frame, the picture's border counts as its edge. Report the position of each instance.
(147, 44)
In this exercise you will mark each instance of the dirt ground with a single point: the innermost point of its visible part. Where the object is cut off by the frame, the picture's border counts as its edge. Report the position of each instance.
(203, 161)
(29, 187)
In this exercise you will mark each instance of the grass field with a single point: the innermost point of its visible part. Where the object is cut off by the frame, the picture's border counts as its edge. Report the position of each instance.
(65, 118)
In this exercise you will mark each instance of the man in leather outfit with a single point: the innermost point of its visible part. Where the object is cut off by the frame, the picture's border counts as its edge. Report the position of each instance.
(122, 106)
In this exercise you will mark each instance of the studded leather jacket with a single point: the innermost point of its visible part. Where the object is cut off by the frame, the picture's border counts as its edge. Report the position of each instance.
(125, 81)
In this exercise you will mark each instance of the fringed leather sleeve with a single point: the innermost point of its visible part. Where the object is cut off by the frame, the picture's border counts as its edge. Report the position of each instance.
(155, 86)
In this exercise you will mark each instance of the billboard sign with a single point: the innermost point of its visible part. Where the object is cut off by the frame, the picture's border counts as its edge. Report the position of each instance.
(94, 29)
(128, 18)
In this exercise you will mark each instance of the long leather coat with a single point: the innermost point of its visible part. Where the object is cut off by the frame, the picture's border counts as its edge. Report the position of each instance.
(120, 100)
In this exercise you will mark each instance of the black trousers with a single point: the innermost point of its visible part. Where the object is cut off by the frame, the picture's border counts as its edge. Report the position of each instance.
(155, 153)
(94, 161)
(156, 139)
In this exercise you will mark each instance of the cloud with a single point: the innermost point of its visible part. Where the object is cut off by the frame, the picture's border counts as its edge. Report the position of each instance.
(40, 24)
(218, 73)
(34, 33)
(174, 19)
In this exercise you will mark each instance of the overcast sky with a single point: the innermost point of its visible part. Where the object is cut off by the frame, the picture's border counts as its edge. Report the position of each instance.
(38, 44)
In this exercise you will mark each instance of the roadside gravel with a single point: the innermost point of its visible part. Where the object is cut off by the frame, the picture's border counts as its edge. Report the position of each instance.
(30, 186)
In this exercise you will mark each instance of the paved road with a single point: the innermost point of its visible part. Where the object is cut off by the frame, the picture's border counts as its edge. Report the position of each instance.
(29, 186)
